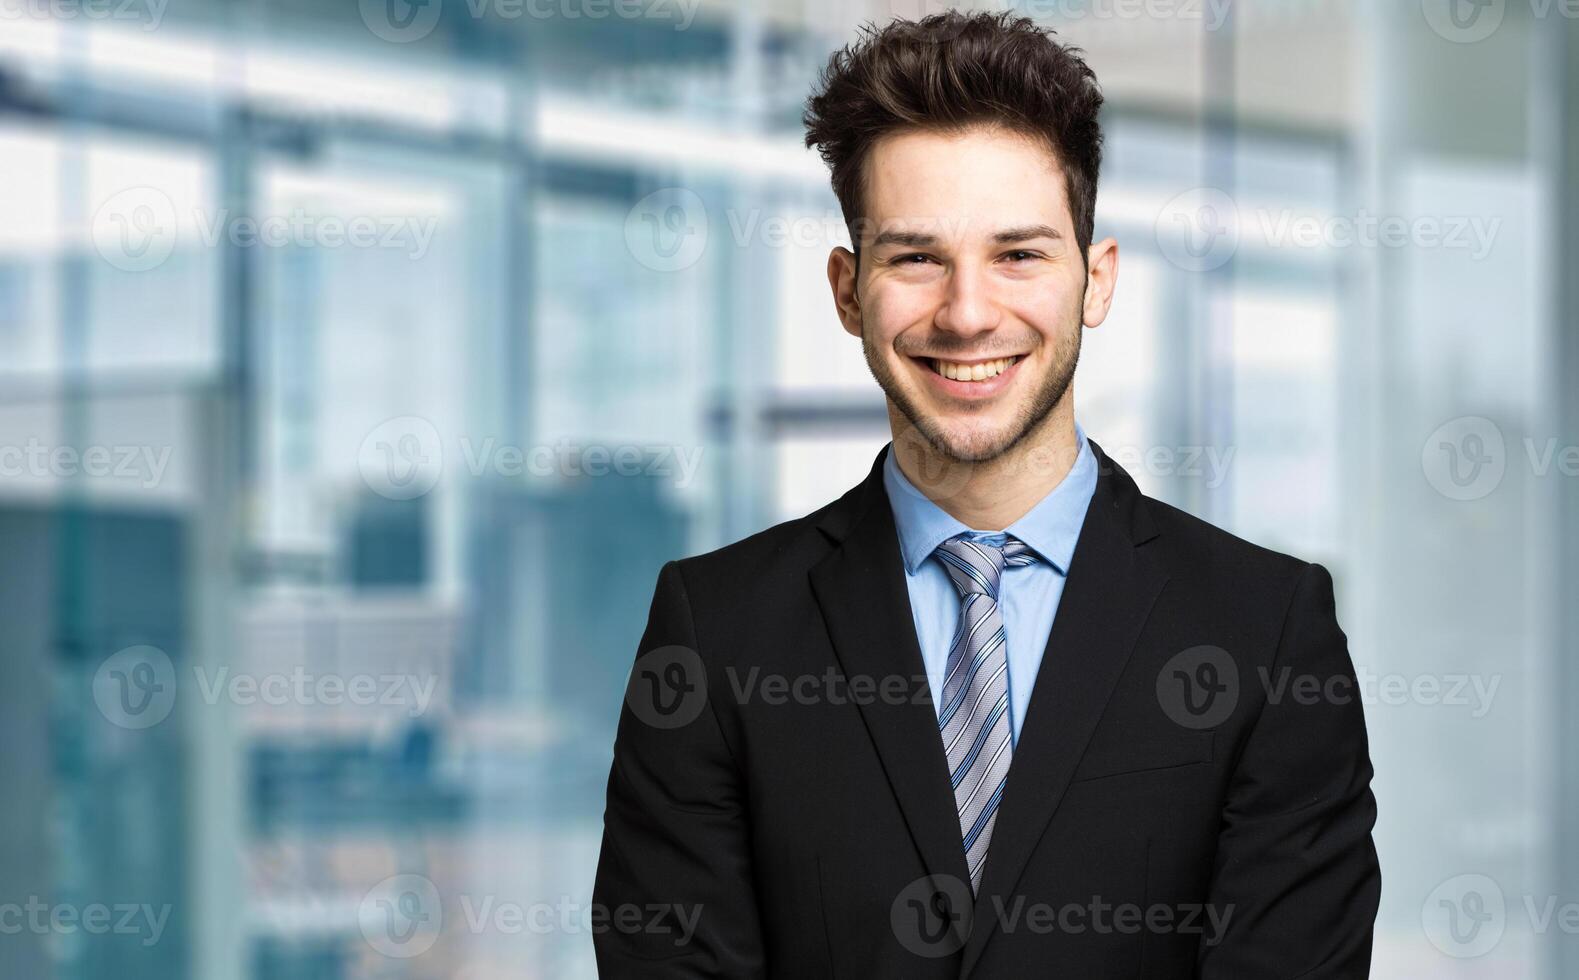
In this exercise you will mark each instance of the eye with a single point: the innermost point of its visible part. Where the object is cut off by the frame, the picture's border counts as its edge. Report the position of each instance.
(912, 258)
(1020, 254)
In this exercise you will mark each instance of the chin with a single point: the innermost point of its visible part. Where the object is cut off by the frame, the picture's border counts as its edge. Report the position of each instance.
(969, 442)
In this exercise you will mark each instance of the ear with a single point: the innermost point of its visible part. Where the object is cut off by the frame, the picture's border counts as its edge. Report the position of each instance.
(1101, 277)
(842, 279)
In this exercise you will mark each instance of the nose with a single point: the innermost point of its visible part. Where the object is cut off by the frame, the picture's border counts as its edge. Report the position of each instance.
(968, 308)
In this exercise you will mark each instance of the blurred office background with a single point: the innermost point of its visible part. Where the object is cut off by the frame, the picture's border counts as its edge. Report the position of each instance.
(361, 363)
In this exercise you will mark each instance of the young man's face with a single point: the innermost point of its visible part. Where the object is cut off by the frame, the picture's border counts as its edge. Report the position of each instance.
(971, 290)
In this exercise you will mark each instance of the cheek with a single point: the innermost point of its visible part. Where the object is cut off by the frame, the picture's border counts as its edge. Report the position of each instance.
(890, 309)
(1050, 309)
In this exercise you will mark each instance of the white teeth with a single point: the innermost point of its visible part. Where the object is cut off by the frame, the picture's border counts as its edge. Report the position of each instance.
(972, 372)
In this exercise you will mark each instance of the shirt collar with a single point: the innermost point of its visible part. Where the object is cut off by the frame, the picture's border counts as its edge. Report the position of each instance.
(1050, 527)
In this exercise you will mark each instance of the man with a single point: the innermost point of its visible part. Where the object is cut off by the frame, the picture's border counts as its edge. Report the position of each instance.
(993, 712)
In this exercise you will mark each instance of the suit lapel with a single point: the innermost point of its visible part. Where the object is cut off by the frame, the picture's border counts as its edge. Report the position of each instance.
(861, 589)
(1109, 592)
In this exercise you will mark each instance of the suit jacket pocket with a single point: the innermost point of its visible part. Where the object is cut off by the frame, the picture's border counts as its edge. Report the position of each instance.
(1143, 752)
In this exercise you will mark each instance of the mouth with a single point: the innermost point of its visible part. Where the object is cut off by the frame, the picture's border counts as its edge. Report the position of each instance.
(970, 379)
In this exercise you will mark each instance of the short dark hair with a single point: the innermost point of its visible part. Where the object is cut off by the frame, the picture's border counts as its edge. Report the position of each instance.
(950, 71)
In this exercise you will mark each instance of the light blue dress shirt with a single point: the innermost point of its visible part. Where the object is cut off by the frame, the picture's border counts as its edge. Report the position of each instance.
(1028, 596)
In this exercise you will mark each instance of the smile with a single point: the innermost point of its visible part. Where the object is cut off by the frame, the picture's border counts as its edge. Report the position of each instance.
(977, 371)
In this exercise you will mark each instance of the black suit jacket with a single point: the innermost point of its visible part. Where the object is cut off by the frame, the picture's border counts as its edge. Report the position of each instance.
(1189, 796)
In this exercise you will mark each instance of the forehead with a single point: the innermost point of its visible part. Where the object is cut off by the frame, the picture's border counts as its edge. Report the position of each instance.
(978, 178)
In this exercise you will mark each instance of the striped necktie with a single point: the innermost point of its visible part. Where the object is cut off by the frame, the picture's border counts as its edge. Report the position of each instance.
(974, 717)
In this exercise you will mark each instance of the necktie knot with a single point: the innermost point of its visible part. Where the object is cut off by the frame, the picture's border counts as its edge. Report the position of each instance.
(975, 565)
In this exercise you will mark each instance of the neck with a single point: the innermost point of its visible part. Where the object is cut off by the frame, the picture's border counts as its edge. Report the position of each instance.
(991, 494)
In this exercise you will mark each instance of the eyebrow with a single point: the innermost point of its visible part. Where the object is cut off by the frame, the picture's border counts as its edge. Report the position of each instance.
(1026, 233)
(1008, 236)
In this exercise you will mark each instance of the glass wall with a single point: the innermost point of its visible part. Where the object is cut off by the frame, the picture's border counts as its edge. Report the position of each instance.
(361, 364)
